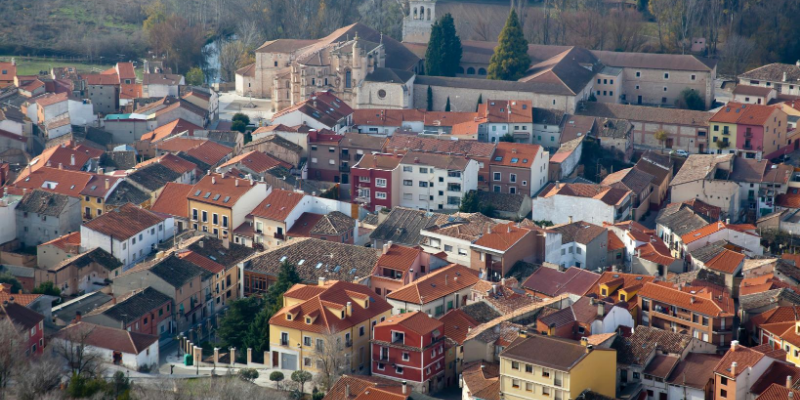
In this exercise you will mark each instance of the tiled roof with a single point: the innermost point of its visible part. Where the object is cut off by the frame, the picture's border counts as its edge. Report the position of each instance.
(416, 321)
(778, 391)
(153, 176)
(172, 269)
(398, 257)
(225, 253)
(552, 282)
(132, 306)
(502, 237)
(436, 285)
(169, 129)
(699, 167)
(681, 219)
(631, 179)
(256, 161)
(695, 370)
(43, 203)
(635, 349)
(776, 373)
(108, 338)
(762, 299)
(124, 222)
(175, 144)
(173, 200)
(210, 152)
(403, 225)
(579, 232)
(440, 161)
(457, 323)
(404, 143)
(548, 351)
(614, 242)
(515, 154)
(746, 114)
(618, 281)
(316, 258)
(220, 189)
(171, 161)
(656, 252)
(51, 98)
(70, 240)
(654, 164)
(662, 365)
(324, 107)
(336, 296)
(125, 193)
(359, 385)
(715, 227)
(482, 379)
(20, 315)
(727, 261)
(670, 116)
(774, 72)
(465, 226)
(200, 261)
(744, 357)
(480, 311)
(278, 205)
(702, 301)
(608, 195)
(96, 256)
(161, 79)
(101, 79)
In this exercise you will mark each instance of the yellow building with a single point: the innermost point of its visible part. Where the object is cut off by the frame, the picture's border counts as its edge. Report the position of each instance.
(335, 315)
(219, 203)
(544, 367)
(790, 342)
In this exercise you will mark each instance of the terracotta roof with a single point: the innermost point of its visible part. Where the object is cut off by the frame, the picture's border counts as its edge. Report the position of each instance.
(436, 285)
(744, 357)
(256, 161)
(548, 351)
(470, 148)
(51, 98)
(335, 296)
(20, 315)
(124, 222)
(180, 143)
(662, 365)
(222, 190)
(502, 237)
(457, 324)
(606, 194)
(552, 282)
(614, 243)
(416, 321)
(387, 162)
(727, 261)
(170, 161)
(108, 338)
(749, 90)
(247, 70)
(70, 240)
(704, 301)
(162, 79)
(132, 306)
(387, 117)
(507, 111)
(516, 154)
(682, 218)
(579, 232)
(778, 391)
(324, 107)
(169, 129)
(715, 227)
(101, 79)
(776, 373)
(631, 179)
(695, 370)
(788, 200)
(359, 385)
(743, 114)
(647, 114)
(200, 261)
(482, 379)
(440, 161)
(130, 91)
(210, 152)
(278, 205)
(398, 257)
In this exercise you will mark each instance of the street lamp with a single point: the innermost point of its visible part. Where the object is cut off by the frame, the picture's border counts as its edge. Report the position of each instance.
(300, 350)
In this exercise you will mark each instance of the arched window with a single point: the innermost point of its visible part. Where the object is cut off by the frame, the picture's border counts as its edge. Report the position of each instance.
(461, 70)
(415, 12)
(470, 71)
(482, 71)
(348, 79)
(429, 14)
(422, 13)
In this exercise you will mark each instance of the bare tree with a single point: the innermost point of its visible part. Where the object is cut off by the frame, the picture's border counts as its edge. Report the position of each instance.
(38, 379)
(626, 30)
(12, 350)
(249, 35)
(715, 16)
(73, 347)
(227, 388)
(230, 55)
(736, 54)
(332, 358)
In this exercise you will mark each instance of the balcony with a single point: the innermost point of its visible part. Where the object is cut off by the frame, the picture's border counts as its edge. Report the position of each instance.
(383, 357)
(284, 342)
(747, 146)
(344, 168)
(748, 135)
(345, 156)
(278, 236)
(348, 343)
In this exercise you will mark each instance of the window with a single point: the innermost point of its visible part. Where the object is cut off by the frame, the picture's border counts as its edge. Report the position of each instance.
(513, 178)
(497, 176)
(545, 391)
(398, 370)
(408, 182)
(205, 216)
(215, 219)
(406, 357)
(529, 368)
(224, 222)
(528, 387)
(448, 248)
(638, 74)
(545, 373)
(666, 75)
(723, 393)
(693, 77)
(380, 195)
(423, 184)
(307, 341)
(515, 365)
(723, 381)
(515, 383)
(380, 182)
(407, 169)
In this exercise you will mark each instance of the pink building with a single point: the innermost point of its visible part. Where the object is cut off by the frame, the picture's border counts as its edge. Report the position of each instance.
(400, 265)
(375, 180)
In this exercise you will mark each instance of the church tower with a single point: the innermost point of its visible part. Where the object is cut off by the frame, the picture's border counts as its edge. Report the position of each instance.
(418, 21)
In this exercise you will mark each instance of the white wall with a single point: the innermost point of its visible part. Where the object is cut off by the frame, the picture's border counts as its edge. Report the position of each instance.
(558, 209)
(453, 255)
(685, 393)
(8, 221)
(11, 126)
(613, 319)
(60, 131)
(540, 171)
(80, 113)
(126, 251)
(430, 308)
(54, 110)
(468, 181)
(159, 91)
(247, 203)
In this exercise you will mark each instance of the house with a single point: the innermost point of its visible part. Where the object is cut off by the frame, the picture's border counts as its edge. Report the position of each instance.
(274, 216)
(410, 348)
(187, 170)
(376, 181)
(399, 265)
(218, 203)
(203, 98)
(84, 272)
(583, 318)
(323, 156)
(727, 263)
(147, 144)
(487, 342)
(177, 278)
(654, 258)
(160, 85)
(320, 110)
(404, 226)
(518, 167)
(678, 219)
(704, 313)
(777, 76)
(500, 248)
(739, 369)
(616, 136)
(747, 94)
(436, 293)
(434, 182)
(514, 207)
(555, 367)
(334, 226)
(313, 260)
(146, 311)
(367, 386)
(29, 322)
(457, 324)
(51, 253)
(338, 315)
(353, 147)
(253, 162)
(8, 72)
(113, 345)
(221, 257)
(596, 204)
(501, 117)
(455, 235)
(694, 376)
(173, 201)
(756, 303)
(749, 130)
(639, 183)
(660, 167)
(703, 174)
(129, 233)
(583, 245)
(620, 288)
(480, 380)
(42, 216)
(566, 159)
(742, 235)
(548, 282)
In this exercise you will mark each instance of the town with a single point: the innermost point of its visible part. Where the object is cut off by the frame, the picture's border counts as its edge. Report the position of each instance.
(449, 209)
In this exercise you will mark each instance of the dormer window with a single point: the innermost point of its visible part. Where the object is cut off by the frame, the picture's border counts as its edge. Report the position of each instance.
(308, 320)
(342, 314)
(622, 297)
(604, 292)
(288, 317)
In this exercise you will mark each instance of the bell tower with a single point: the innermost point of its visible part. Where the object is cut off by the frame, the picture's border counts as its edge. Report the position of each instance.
(418, 21)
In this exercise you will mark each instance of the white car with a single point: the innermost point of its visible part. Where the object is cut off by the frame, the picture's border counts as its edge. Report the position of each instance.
(681, 153)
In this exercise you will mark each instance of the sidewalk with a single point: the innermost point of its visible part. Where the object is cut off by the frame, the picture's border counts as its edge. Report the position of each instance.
(181, 371)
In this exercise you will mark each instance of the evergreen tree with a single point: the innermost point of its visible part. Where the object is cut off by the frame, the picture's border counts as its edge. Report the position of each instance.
(430, 99)
(257, 337)
(469, 203)
(510, 59)
(480, 101)
(447, 106)
(287, 277)
(443, 55)
(234, 325)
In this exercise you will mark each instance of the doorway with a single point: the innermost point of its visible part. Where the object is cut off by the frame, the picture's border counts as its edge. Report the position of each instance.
(639, 100)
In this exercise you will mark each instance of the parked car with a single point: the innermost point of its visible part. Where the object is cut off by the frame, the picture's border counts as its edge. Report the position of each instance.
(680, 153)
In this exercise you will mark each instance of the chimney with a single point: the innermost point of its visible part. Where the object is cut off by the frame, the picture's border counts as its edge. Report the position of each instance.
(589, 348)
(349, 308)
(558, 185)
(601, 309)
(503, 281)
(321, 281)
(72, 159)
(213, 180)
(445, 279)
(101, 171)
(734, 343)
(727, 220)
(226, 243)
(347, 392)
(60, 166)
(385, 248)
(405, 387)
(784, 76)
(77, 316)
(789, 382)
(200, 243)
(692, 299)
(108, 183)
(236, 182)
(494, 289)
(733, 365)
(570, 219)
(584, 341)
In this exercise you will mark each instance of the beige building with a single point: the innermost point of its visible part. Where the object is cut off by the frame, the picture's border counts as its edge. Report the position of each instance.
(706, 177)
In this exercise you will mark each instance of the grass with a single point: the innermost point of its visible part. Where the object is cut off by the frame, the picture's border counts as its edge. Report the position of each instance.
(32, 65)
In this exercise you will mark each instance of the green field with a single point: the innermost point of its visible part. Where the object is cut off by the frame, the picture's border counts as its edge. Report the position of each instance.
(32, 65)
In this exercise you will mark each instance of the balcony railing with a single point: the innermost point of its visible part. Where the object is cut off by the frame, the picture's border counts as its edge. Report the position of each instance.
(748, 134)
(284, 342)
(344, 156)
(278, 236)
(348, 343)
(344, 168)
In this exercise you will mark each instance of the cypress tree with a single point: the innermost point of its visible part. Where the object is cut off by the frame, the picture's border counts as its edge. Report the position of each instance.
(510, 59)
(480, 101)
(447, 106)
(430, 99)
(443, 55)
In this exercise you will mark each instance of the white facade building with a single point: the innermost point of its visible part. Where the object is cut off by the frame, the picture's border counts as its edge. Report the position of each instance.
(436, 182)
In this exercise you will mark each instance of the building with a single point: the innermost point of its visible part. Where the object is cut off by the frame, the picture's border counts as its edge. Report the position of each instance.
(404, 226)
(561, 202)
(660, 167)
(501, 247)
(583, 245)
(639, 183)
(435, 182)
(519, 168)
(319, 110)
(334, 226)
(743, 235)
(739, 369)
(85, 272)
(146, 311)
(583, 318)
(777, 76)
(480, 380)
(366, 386)
(51, 253)
(678, 219)
(703, 174)
(42, 216)
(29, 322)
(399, 265)
(547, 283)
(455, 236)
(129, 233)
(436, 293)
(160, 85)
(174, 201)
(410, 347)
(376, 181)
(620, 288)
(334, 319)
(113, 345)
(746, 94)
(749, 130)
(704, 313)
(218, 203)
(540, 367)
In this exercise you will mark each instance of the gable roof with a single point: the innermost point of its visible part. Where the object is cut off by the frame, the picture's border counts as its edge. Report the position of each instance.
(403, 225)
(169, 129)
(221, 189)
(579, 232)
(436, 285)
(552, 282)
(278, 205)
(457, 323)
(702, 301)
(173, 200)
(43, 203)
(632, 179)
(744, 357)
(256, 161)
(415, 321)
(606, 194)
(548, 351)
(695, 370)
(153, 176)
(124, 222)
(132, 305)
(104, 337)
(636, 348)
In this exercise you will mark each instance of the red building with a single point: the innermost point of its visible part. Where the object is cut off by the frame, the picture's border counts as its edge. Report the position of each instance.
(31, 323)
(376, 179)
(410, 347)
(146, 311)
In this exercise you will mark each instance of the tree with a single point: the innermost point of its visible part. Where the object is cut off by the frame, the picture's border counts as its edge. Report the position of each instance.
(383, 15)
(11, 280)
(195, 77)
(241, 117)
(430, 99)
(480, 101)
(301, 377)
(248, 374)
(48, 288)
(690, 99)
(510, 59)
(508, 137)
(447, 106)
(12, 350)
(722, 144)
(330, 357)
(277, 377)
(443, 55)
(73, 348)
(287, 277)
(736, 54)
(257, 337)
(234, 325)
(38, 378)
(180, 41)
(469, 203)
(230, 58)
(239, 126)
(661, 135)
